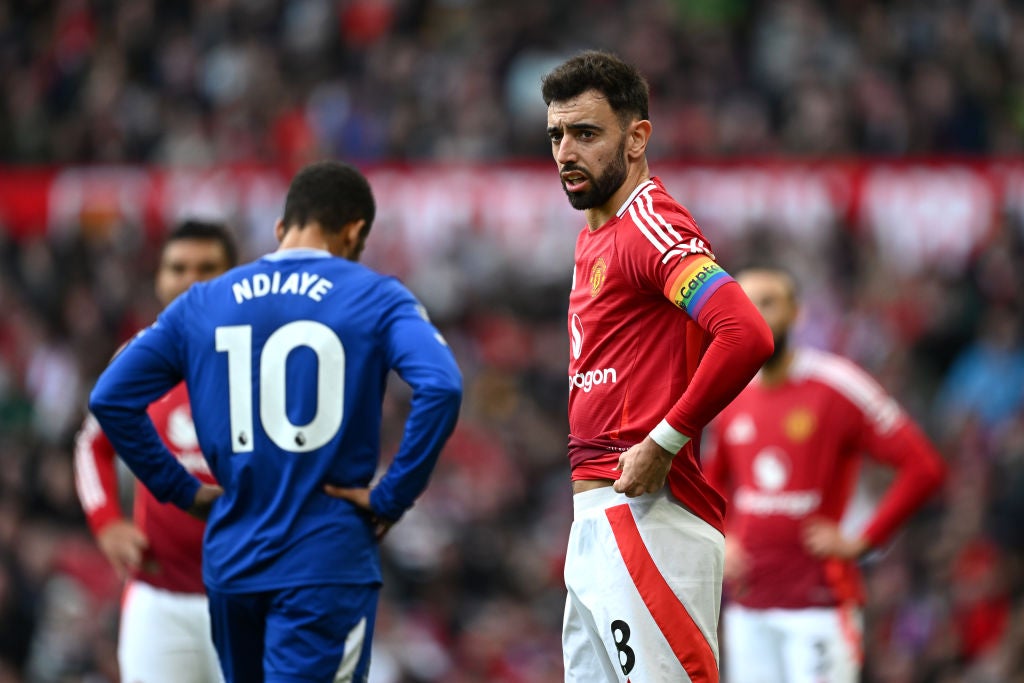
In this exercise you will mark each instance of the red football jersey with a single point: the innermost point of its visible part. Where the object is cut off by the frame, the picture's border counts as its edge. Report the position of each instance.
(786, 453)
(173, 560)
(632, 351)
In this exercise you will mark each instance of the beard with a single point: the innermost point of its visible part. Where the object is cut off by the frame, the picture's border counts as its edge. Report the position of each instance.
(603, 186)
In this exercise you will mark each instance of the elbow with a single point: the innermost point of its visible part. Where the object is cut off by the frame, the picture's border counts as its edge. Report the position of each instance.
(105, 405)
(928, 466)
(98, 404)
(453, 395)
(762, 342)
(450, 385)
(937, 473)
(447, 391)
(451, 399)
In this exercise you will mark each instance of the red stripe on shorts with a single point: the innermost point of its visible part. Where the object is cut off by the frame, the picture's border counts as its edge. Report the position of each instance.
(842, 578)
(683, 635)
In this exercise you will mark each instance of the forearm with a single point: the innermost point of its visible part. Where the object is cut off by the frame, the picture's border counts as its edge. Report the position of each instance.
(741, 342)
(920, 472)
(96, 477)
(135, 438)
(430, 423)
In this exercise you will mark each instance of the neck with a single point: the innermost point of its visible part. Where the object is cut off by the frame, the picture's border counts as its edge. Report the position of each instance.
(599, 215)
(307, 237)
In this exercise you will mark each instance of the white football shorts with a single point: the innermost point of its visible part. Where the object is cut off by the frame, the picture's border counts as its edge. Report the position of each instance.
(644, 580)
(812, 645)
(165, 637)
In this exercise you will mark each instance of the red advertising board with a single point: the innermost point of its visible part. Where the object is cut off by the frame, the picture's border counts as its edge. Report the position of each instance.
(930, 212)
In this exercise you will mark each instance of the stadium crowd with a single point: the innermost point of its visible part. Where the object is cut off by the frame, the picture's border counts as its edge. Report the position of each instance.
(158, 81)
(473, 590)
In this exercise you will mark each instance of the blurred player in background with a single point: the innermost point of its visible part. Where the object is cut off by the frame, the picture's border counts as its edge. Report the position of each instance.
(661, 338)
(165, 623)
(786, 455)
(286, 361)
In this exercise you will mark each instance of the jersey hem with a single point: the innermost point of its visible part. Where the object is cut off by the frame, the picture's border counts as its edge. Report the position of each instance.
(262, 586)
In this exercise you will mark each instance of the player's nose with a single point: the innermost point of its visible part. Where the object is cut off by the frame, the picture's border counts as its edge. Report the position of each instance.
(565, 152)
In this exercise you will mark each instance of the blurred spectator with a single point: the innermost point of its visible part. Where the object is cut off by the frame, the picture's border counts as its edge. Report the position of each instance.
(986, 380)
(199, 82)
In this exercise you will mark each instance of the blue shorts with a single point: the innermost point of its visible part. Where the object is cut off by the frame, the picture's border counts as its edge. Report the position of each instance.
(295, 635)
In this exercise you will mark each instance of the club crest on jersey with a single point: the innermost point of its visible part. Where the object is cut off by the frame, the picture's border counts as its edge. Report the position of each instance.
(799, 424)
(597, 276)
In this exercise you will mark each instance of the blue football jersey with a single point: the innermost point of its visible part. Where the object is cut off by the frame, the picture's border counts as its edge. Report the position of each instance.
(286, 360)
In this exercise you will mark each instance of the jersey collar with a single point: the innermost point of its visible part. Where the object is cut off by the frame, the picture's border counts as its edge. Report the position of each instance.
(629, 200)
(297, 252)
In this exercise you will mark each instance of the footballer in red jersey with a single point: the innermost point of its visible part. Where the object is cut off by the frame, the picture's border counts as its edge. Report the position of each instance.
(661, 339)
(165, 625)
(786, 454)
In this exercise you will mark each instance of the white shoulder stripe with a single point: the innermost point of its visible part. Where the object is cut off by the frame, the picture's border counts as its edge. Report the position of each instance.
(647, 184)
(658, 231)
(87, 478)
(646, 211)
(645, 229)
(695, 246)
(649, 202)
(852, 382)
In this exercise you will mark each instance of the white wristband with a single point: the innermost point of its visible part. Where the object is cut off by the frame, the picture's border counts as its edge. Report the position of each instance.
(668, 437)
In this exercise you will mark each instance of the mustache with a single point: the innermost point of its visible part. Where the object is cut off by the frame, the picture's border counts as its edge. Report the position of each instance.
(569, 168)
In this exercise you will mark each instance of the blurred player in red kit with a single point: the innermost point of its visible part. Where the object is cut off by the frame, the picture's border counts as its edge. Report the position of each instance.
(165, 625)
(786, 455)
(661, 339)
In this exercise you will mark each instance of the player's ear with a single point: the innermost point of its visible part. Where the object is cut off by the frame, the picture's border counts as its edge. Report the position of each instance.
(350, 240)
(279, 230)
(638, 135)
(353, 231)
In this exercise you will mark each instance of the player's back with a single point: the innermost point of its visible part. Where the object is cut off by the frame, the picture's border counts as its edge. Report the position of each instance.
(286, 360)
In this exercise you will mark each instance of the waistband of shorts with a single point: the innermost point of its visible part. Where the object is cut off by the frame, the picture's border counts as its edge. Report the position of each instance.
(158, 593)
(595, 501)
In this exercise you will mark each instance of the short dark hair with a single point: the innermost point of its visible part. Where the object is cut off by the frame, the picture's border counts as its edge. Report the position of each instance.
(622, 83)
(195, 229)
(331, 193)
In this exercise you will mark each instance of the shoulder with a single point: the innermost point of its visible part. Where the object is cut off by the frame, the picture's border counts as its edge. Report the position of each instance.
(382, 292)
(379, 282)
(651, 218)
(831, 369)
(848, 380)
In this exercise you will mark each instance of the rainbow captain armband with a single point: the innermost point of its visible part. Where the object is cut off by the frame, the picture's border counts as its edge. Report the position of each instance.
(697, 278)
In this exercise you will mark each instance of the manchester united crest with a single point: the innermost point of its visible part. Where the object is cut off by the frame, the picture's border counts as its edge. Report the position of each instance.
(597, 275)
(799, 424)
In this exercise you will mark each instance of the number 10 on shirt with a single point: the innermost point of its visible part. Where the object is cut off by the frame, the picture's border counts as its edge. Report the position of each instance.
(236, 341)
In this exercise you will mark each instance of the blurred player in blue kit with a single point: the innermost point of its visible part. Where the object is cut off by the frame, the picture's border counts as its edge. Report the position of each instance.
(286, 360)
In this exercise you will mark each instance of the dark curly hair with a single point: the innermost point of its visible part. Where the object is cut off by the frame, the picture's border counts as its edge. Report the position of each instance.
(331, 193)
(623, 85)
